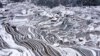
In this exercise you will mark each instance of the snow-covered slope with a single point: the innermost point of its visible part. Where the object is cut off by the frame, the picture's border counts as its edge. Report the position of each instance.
(30, 30)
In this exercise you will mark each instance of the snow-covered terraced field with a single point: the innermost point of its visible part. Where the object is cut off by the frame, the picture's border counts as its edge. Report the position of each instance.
(30, 30)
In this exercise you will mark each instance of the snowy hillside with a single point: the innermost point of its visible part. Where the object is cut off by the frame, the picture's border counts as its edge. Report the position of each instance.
(30, 30)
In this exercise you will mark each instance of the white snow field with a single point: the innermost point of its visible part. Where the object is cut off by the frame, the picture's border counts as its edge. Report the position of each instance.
(30, 30)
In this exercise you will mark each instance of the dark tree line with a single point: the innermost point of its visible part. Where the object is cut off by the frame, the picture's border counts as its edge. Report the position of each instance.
(89, 2)
(53, 3)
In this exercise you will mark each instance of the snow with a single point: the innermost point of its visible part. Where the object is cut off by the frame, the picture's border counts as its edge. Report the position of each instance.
(59, 25)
